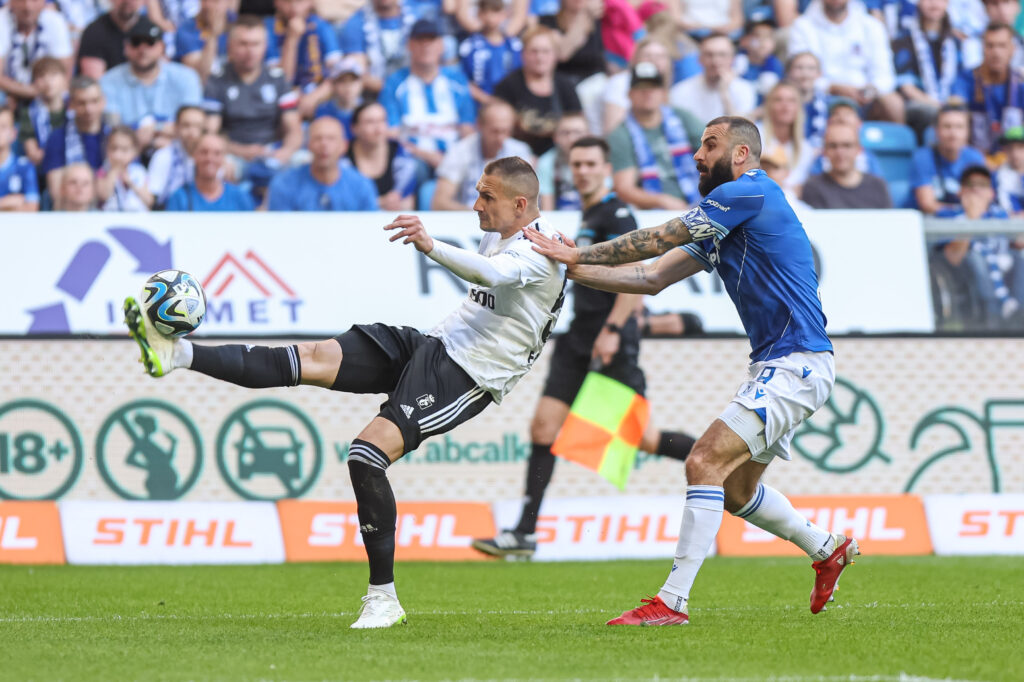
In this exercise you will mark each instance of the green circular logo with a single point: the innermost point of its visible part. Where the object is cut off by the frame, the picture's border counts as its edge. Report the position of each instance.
(149, 450)
(269, 450)
(40, 451)
(845, 434)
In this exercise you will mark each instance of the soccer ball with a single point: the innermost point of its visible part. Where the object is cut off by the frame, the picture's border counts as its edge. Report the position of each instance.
(174, 302)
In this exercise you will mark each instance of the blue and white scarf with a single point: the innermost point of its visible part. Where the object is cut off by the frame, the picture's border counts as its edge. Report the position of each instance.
(177, 175)
(678, 148)
(74, 150)
(39, 114)
(385, 59)
(990, 249)
(566, 196)
(935, 85)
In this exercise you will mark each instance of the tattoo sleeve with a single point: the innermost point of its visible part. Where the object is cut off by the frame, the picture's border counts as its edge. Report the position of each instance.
(637, 245)
(641, 273)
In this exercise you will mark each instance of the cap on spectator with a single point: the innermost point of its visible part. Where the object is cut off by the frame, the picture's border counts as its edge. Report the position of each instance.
(346, 65)
(145, 28)
(1012, 135)
(646, 73)
(425, 28)
(838, 102)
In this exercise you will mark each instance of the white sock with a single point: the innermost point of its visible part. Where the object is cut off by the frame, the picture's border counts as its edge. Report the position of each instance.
(181, 355)
(387, 589)
(702, 517)
(770, 510)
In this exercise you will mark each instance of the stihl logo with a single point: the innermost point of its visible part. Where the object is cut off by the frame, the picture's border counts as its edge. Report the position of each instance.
(167, 533)
(991, 522)
(10, 537)
(428, 530)
(610, 528)
(861, 522)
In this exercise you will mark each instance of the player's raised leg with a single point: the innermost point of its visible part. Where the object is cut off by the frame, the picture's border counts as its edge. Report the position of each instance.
(714, 457)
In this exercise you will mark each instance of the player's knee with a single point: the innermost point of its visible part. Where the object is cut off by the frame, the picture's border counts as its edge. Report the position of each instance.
(543, 430)
(703, 466)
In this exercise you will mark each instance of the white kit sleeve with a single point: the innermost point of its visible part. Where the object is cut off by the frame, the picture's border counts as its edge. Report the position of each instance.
(504, 268)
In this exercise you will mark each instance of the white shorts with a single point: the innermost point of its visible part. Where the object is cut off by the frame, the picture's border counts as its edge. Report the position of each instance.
(780, 394)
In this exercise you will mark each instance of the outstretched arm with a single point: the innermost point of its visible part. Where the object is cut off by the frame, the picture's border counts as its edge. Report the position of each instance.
(642, 278)
(629, 248)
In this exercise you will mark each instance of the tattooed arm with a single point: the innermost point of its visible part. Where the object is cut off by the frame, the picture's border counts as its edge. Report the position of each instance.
(641, 278)
(636, 245)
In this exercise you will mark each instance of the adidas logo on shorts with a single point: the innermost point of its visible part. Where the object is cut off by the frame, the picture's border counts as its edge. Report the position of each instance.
(408, 410)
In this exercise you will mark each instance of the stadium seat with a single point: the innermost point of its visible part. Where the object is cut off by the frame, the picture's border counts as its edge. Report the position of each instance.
(893, 144)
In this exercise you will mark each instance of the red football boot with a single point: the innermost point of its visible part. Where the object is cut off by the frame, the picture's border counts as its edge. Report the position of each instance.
(827, 571)
(651, 612)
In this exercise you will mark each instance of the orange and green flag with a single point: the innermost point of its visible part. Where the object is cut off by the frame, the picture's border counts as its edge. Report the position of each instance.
(604, 428)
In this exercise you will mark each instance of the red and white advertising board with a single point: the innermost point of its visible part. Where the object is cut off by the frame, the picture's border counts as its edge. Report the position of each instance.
(976, 524)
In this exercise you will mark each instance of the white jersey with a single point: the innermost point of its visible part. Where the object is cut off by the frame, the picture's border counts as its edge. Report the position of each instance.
(498, 332)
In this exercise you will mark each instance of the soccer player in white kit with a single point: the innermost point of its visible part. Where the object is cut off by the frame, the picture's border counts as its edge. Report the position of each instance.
(434, 381)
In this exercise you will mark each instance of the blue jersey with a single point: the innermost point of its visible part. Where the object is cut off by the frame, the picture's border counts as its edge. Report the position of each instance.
(428, 114)
(191, 37)
(18, 176)
(485, 64)
(932, 169)
(764, 258)
(331, 108)
(317, 47)
(188, 198)
(297, 190)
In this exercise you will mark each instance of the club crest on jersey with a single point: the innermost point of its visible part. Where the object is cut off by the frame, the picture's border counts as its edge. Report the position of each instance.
(425, 400)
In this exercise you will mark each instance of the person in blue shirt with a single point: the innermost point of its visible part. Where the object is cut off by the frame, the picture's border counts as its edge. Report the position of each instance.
(346, 79)
(81, 138)
(377, 35)
(756, 61)
(326, 183)
(429, 106)
(208, 192)
(201, 42)
(19, 188)
(490, 55)
(307, 44)
(745, 229)
(994, 91)
(935, 174)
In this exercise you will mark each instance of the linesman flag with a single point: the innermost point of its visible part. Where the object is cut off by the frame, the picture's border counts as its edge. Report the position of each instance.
(604, 428)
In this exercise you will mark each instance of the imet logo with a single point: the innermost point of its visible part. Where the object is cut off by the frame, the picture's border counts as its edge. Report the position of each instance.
(712, 202)
(254, 306)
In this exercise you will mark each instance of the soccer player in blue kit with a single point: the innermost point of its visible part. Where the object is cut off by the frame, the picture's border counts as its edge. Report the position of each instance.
(744, 229)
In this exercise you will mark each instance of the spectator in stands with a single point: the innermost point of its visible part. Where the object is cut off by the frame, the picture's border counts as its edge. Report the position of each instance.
(927, 58)
(780, 12)
(854, 52)
(381, 159)
(324, 184)
(146, 91)
(616, 94)
(621, 27)
(718, 91)
(121, 184)
(346, 78)
(428, 105)
(377, 35)
(845, 111)
(45, 113)
(209, 192)
(756, 61)
(579, 45)
(539, 95)
(490, 55)
(843, 186)
(201, 42)
(78, 14)
(700, 19)
(936, 171)
(307, 44)
(804, 71)
(103, 40)
(464, 163)
(1008, 12)
(782, 133)
(172, 165)
(77, 189)
(557, 191)
(652, 150)
(776, 166)
(254, 106)
(1009, 177)
(19, 186)
(28, 33)
(82, 136)
(467, 14)
(994, 91)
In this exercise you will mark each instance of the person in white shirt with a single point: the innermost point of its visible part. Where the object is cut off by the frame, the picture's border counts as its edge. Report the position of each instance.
(28, 32)
(464, 162)
(434, 381)
(855, 55)
(718, 91)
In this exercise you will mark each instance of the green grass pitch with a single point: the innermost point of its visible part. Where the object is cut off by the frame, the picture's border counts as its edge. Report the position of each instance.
(894, 619)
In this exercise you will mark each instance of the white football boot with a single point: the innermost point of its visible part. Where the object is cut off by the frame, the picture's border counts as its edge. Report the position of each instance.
(157, 349)
(379, 610)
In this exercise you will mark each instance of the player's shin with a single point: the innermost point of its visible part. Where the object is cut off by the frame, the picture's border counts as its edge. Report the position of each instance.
(538, 475)
(702, 517)
(375, 504)
(249, 366)
(770, 510)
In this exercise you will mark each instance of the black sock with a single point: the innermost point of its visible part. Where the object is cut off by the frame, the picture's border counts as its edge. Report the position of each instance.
(249, 366)
(675, 445)
(375, 504)
(538, 475)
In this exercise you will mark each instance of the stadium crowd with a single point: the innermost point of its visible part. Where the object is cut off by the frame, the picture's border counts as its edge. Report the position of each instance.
(211, 105)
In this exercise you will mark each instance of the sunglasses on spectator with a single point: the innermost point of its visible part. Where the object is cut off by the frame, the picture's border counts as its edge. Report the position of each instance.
(135, 42)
